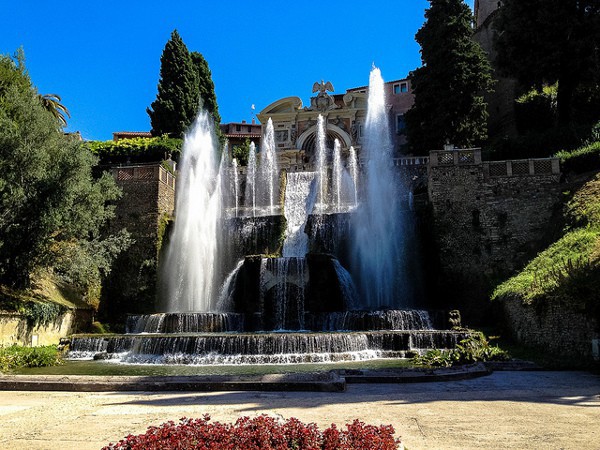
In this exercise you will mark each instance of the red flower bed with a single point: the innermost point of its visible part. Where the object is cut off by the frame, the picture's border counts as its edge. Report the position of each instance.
(259, 433)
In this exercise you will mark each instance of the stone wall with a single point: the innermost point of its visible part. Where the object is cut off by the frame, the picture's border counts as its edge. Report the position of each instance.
(16, 329)
(147, 203)
(555, 327)
(490, 218)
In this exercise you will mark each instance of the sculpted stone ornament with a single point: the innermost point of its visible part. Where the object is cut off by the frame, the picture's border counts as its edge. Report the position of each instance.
(323, 101)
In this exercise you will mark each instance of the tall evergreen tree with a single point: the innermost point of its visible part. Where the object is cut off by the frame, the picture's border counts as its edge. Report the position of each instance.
(176, 103)
(547, 41)
(206, 87)
(449, 87)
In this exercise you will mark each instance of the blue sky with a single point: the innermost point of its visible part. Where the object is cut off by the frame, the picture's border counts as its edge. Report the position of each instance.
(103, 58)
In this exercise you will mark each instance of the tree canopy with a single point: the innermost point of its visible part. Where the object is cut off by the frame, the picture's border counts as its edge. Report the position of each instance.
(449, 86)
(541, 42)
(52, 210)
(185, 84)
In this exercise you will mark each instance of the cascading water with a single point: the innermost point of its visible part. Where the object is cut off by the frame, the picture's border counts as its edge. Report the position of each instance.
(250, 194)
(193, 254)
(377, 223)
(300, 196)
(299, 291)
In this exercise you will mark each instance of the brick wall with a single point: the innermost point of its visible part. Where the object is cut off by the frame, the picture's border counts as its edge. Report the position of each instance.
(148, 199)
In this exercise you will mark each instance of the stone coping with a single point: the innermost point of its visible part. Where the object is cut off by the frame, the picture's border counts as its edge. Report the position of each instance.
(332, 381)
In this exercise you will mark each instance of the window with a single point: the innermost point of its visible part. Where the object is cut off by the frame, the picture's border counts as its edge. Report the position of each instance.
(400, 124)
(401, 88)
(238, 128)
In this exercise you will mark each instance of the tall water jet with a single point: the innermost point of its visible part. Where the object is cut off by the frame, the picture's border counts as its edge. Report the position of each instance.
(236, 185)
(377, 227)
(250, 193)
(268, 173)
(337, 176)
(192, 255)
(321, 161)
(353, 167)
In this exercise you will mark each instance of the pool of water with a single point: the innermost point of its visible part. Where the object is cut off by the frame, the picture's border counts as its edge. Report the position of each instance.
(88, 367)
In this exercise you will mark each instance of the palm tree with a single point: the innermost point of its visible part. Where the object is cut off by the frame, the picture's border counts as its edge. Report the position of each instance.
(52, 103)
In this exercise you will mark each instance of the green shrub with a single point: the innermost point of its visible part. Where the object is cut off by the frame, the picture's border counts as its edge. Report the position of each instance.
(16, 356)
(580, 160)
(475, 348)
(136, 149)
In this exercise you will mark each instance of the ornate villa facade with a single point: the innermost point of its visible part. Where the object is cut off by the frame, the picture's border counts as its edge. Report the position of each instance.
(295, 125)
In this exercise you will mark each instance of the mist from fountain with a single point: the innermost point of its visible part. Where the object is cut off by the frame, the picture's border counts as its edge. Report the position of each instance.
(193, 254)
(377, 222)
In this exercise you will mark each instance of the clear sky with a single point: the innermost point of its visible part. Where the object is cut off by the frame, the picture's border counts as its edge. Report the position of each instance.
(103, 58)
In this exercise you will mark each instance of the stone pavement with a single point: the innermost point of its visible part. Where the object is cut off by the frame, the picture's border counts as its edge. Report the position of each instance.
(533, 410)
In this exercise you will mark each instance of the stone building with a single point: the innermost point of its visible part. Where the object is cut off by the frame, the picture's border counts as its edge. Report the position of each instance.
(237, 132)
(296, 125)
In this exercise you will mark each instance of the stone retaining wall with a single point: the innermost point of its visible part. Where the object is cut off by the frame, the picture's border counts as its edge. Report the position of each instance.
(555, 327)
(490, 218)
(16, 329)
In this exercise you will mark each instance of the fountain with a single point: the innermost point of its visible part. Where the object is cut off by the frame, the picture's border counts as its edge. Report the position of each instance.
(233, 304)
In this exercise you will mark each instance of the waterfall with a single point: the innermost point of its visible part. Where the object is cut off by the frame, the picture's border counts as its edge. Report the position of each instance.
(193, 254)
(300, 195)
(250, 194)
(225, 301)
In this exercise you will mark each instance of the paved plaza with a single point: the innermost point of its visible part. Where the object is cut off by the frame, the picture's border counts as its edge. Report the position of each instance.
(520, 410)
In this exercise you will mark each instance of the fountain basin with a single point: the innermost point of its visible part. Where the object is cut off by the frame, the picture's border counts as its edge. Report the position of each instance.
(260, 348)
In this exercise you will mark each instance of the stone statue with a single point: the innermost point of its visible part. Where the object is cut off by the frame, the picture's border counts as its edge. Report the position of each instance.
(323, 101)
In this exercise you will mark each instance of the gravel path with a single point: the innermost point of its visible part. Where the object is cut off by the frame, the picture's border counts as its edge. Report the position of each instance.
(533, 410)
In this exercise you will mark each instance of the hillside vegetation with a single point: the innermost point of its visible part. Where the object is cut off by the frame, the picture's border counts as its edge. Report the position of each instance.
(569, 269)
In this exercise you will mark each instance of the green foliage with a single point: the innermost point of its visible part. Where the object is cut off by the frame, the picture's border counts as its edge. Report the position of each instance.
(475, 348)
(136, 149)
(582, 159)
(48, 196)
(15, 356)
(547, 41)
(568, 270)
(241, 152)
(206, 87)
(449, 87)
(536, 109)
(185, 84)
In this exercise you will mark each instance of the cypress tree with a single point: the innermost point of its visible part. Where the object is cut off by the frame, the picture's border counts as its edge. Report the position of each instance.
(449, 87)
(176, 103)
(206, 87)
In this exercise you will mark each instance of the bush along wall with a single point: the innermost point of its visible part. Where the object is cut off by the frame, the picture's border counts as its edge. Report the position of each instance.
(136, 150)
